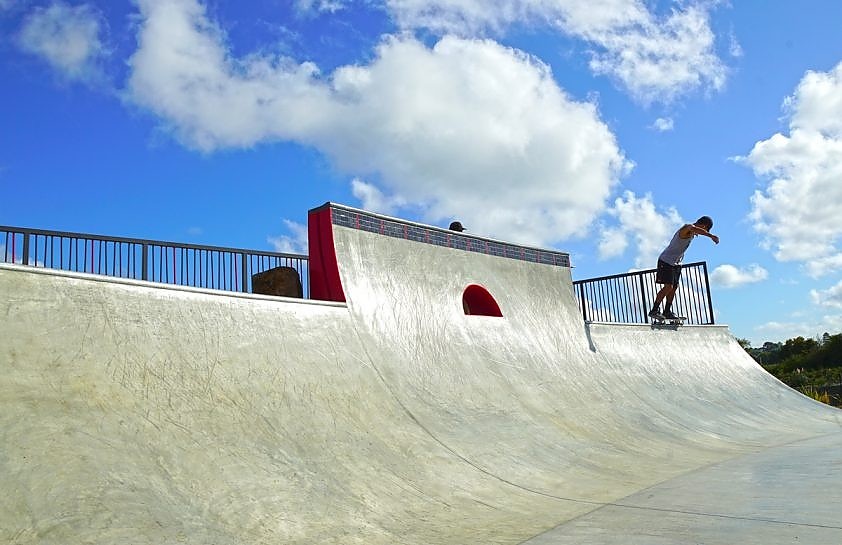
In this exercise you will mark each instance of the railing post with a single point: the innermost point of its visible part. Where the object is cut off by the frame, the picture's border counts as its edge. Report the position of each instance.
(644, 304)
(144, 261)
(25, 256)
(707, 290)
(245, 272)
(582, 301)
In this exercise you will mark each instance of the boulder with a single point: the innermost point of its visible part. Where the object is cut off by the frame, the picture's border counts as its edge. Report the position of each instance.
(283, 281)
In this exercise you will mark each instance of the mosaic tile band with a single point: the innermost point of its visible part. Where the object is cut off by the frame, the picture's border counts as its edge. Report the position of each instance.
(392, 227)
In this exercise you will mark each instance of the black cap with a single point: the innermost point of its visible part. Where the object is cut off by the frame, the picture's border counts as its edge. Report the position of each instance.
(456, 226)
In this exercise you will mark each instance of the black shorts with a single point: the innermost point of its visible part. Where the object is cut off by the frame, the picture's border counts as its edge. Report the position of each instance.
(667, 274)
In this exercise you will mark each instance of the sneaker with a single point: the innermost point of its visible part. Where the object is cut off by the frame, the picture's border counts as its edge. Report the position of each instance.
(655, 314)
(670, 315)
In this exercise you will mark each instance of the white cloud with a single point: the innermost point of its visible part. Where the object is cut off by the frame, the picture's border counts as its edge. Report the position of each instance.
(831, 297)
(613, 242)
(66, 37)
(823, 265)
(467, 129)
(293, 243)
(817, 103)
(729, 276)
(655, 58)
(373, 199)
(808, 328)
(798, 210)
(663, 124)
(734, 47)
(639, 220)
(319, 6)
(782, 330)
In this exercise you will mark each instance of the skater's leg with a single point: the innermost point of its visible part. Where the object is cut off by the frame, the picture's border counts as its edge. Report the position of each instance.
(667, 276)
(670, 296)
(666, 292)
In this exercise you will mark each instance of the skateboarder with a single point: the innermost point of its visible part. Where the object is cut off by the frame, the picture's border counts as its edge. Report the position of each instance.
(669, 264)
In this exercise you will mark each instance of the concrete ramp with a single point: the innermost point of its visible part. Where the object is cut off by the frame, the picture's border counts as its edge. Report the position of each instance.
(134, 413)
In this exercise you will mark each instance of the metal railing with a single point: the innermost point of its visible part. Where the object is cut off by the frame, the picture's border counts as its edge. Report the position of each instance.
(211, 267)
(628, 298)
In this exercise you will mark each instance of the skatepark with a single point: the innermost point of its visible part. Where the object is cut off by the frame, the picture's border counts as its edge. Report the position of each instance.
(435, 389)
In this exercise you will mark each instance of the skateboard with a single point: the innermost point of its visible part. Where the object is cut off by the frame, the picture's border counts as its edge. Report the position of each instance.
(662, 320)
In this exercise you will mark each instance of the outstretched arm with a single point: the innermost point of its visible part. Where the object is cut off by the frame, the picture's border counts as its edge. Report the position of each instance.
(696, 230)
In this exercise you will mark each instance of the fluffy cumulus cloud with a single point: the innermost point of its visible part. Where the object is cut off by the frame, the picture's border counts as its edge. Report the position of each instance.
(182, 72)
(66, 37)
(467, 128)
(641, 224)
(729, 276)
(295, 242)
(373, 199)
(663, 124)
(831, 297)
(656, 58)
(798, 208)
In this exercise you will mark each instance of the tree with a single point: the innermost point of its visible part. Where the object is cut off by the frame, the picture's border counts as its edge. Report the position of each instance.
(829, 355)
(798, 346)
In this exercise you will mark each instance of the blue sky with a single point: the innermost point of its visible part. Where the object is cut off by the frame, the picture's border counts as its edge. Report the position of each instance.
(595, 127)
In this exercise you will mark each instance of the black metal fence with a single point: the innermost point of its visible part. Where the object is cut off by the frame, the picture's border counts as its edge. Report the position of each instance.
(194, 265)
(628, 298)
